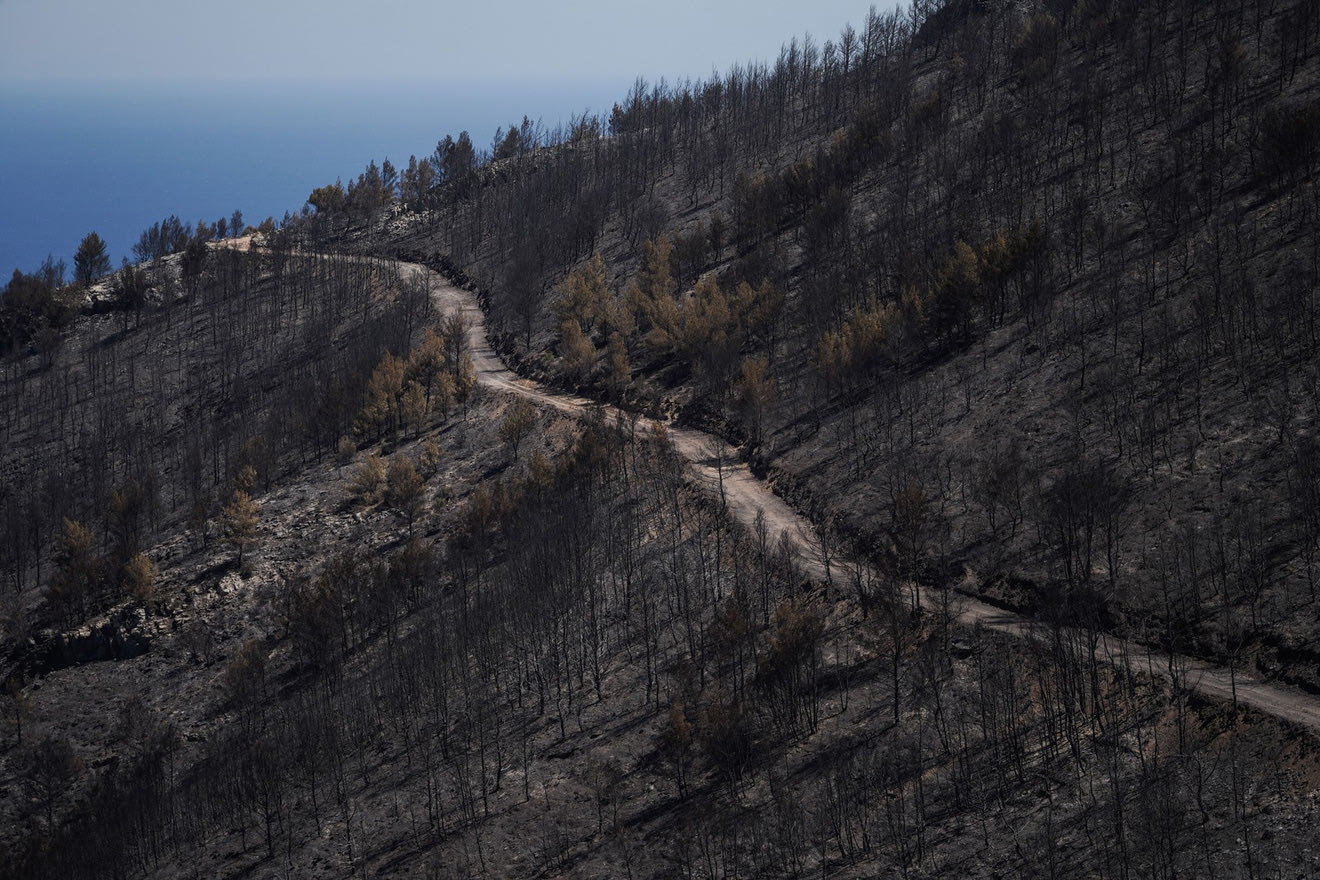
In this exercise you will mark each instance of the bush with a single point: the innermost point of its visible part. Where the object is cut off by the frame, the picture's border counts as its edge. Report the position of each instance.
(405, 490)
(346, 449)
(369, 480)
(140, 577)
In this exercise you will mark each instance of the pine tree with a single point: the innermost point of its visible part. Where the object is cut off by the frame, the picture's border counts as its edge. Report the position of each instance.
(382, 411)
(240, 523)
(575, 350)
(78, 572)
(618, 369)
(584, 294)
(414, 406)
(427, 361)
(92, 259)
(517, 423)
(406, 490)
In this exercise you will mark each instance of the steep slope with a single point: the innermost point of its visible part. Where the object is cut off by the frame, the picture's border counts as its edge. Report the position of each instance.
(1041, 302)
(600, 673)
(747, 499)
(1029, 316)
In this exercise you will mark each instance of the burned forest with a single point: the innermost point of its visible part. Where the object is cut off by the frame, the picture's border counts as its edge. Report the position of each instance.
(896, 458)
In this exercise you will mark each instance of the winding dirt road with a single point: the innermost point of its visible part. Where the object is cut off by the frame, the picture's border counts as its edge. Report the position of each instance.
(715, 463)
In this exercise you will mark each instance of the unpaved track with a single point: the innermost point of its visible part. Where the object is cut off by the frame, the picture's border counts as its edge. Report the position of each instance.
(746, 496)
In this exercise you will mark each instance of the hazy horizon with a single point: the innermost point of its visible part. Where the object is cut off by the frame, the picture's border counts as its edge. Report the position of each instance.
(74, 161)
(201, 111)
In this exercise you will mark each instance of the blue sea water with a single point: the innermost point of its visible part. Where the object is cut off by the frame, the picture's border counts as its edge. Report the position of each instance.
(116, 159)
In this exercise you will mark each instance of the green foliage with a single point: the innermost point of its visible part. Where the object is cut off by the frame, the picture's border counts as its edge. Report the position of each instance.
(329, 199)
(514, 141)
(456, 164)
(168, 236)
(195, 255)
(131, 287)
(92, 259)
(416, 181)
(33, 305)
(373, 188)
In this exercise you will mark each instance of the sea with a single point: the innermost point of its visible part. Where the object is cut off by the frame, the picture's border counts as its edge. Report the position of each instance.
(116, 158)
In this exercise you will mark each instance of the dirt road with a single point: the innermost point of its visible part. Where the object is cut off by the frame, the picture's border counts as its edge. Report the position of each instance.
(714, 463)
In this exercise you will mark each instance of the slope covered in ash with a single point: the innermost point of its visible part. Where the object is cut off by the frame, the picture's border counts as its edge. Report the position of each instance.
(530, 646)
(1006, 298)
(1029, 308)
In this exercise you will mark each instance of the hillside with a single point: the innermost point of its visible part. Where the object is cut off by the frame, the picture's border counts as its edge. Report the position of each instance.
(898, 459)
(1049, 269)
(581, 666)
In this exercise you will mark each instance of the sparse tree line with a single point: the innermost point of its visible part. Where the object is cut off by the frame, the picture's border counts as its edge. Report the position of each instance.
(173, 236)
(35, 307)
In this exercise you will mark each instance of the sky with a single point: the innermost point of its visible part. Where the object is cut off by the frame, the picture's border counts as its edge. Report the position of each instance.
(115, 113)
(47, 42)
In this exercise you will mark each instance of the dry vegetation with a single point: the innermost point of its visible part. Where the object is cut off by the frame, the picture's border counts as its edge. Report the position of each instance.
(1041, 275)
(1012, 299)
